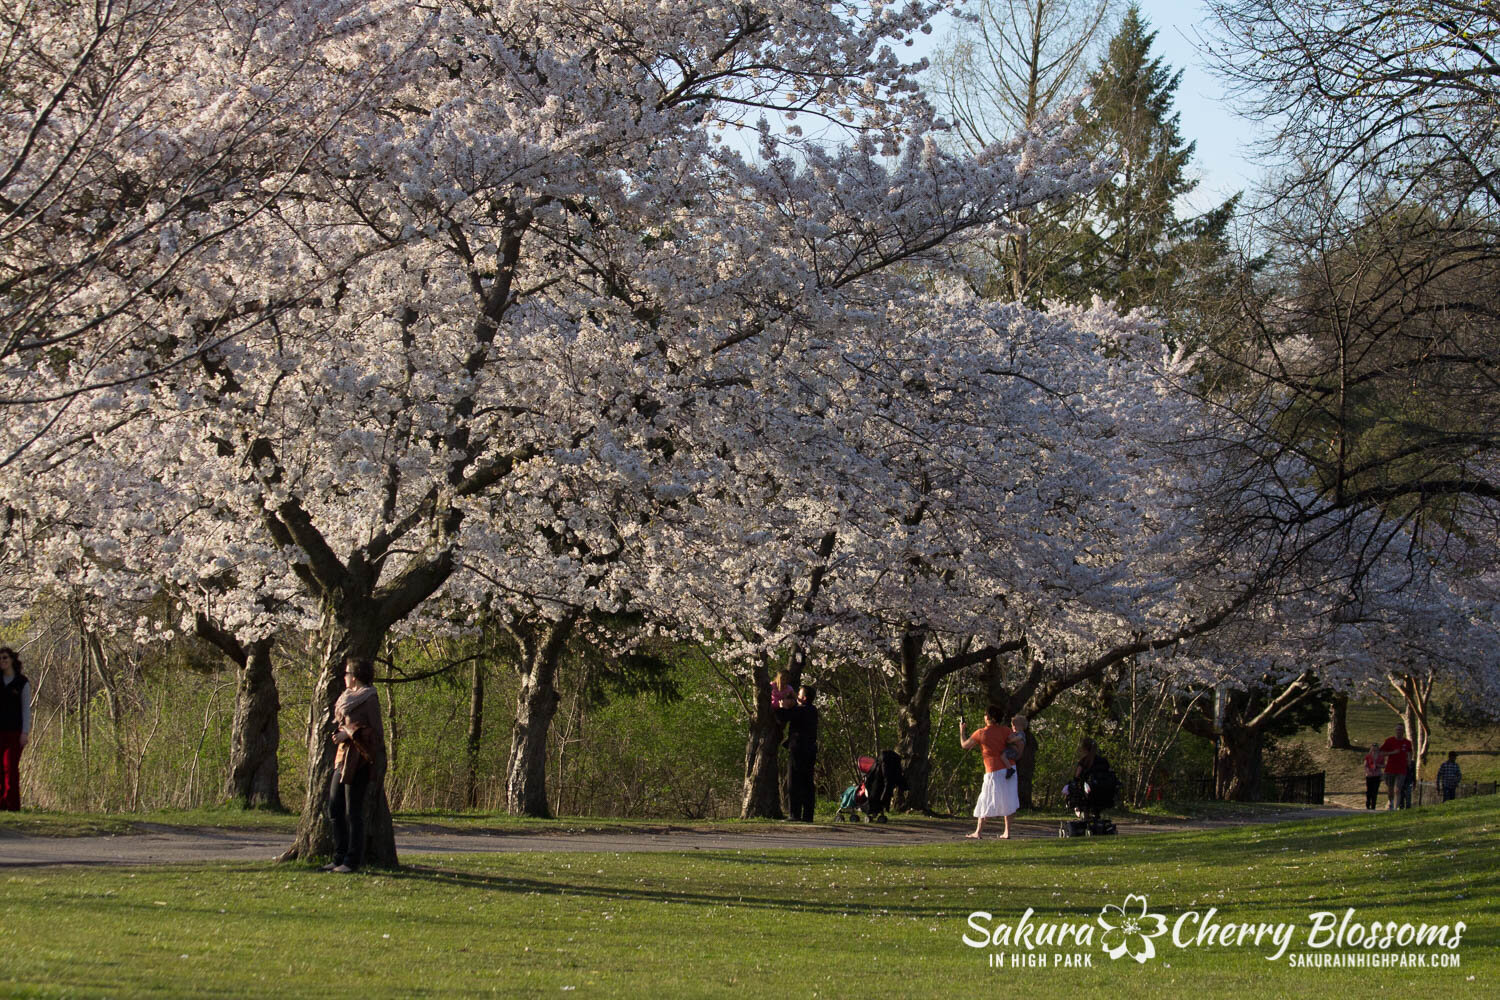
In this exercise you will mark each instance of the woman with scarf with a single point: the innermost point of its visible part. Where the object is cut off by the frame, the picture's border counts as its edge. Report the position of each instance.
(361, 742)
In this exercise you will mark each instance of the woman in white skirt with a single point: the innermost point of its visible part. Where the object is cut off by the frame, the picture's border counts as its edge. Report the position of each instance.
(998, 795)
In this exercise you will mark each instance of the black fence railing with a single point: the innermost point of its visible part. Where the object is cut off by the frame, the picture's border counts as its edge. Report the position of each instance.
(1427, 793)
(1192, 789)
(1307, 788)
(1313, 789)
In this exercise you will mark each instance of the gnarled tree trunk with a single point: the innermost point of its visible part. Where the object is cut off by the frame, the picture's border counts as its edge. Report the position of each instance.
(1237, 770)
(1240, 735)
(1338, 723)
(914, 745)
(255, 736)
(762, 790)
(1026, 771)
(254, 773)
(526, 770)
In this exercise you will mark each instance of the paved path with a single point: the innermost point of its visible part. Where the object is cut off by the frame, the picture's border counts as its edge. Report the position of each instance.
(168, 845)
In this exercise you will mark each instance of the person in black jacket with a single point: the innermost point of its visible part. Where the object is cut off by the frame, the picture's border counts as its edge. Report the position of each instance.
(802, 745)
(15, 726)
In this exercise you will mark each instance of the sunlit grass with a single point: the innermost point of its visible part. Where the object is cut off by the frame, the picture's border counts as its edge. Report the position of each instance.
(867, 922)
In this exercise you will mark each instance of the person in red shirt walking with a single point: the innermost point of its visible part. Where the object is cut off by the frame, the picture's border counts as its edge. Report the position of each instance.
(1396, 753)
(999, 795)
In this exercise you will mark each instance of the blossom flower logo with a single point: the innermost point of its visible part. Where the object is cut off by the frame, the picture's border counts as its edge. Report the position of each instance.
(1128, 929)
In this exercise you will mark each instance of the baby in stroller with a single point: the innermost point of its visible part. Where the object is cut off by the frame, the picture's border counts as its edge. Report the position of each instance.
(1091, 791)
(870, 796)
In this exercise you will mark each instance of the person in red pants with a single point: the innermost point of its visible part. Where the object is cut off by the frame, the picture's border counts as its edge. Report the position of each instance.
(15, 726)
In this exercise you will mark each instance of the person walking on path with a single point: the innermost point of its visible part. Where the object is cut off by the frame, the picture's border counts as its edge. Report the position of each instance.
(1449, 775)
(802, 746)
(360, 736)
(1372, 776)
(15, 727)
(1395, 754)
(998, 795)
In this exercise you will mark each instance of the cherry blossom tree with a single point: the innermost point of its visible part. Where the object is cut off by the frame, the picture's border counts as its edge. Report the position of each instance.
(495, 292)
(1040, 513)
(145, 145)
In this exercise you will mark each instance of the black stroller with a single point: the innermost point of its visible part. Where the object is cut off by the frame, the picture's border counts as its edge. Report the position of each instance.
(867, 800)
(1088, 796)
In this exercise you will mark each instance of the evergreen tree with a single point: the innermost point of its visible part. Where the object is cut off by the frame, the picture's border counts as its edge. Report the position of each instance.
(1135, 250)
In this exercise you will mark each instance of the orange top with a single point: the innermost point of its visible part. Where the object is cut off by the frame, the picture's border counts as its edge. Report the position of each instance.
(992, 740)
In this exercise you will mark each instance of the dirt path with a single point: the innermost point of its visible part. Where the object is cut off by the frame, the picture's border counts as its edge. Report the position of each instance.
(170, 845)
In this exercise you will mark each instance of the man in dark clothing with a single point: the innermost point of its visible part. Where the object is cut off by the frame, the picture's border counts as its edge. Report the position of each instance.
(802, 745)
(1449, 776)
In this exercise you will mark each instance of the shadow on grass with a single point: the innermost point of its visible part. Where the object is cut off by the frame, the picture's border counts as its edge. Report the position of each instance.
(1239, 903)
(523, 886)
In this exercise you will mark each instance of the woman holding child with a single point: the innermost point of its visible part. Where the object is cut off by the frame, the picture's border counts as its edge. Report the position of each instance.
(1000, 747)
(360, 737)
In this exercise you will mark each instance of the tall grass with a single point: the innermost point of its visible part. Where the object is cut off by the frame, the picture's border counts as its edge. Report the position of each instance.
(159, 738)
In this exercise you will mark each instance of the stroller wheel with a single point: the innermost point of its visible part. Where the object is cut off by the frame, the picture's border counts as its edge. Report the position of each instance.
(878, 819)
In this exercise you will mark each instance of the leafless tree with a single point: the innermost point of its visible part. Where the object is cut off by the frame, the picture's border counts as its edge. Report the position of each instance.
(1011, 66)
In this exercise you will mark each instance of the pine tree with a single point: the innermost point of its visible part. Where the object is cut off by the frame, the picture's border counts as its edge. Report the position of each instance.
(1135, 250)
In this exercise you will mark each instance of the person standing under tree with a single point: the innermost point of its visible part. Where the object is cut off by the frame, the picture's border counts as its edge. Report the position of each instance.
(15, 727)
(1449, 776)
(360, 736)
(997, 796)
(802, 746)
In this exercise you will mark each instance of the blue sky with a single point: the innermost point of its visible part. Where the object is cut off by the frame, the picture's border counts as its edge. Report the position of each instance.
(1224, 138)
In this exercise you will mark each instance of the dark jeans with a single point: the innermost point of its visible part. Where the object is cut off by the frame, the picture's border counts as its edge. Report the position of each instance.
(1406, 786)
(10, 770)
(346, 811)
(1372, 791)
(800, 790)
(1449, 791)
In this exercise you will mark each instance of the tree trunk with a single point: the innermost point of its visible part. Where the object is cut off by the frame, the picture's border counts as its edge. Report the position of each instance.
(1416, 690)
(1026, 770)
(348, 635)
(255, 737)
(996, 691)
(526, 769)
(476, 732)
(914, 723)
(1338, 723)
(1237, 724)
(254, 774)
(762, 790)
(914, 744)
(1239, 761)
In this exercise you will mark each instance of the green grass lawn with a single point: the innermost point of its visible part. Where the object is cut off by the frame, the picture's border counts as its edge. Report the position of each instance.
(870, 922)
